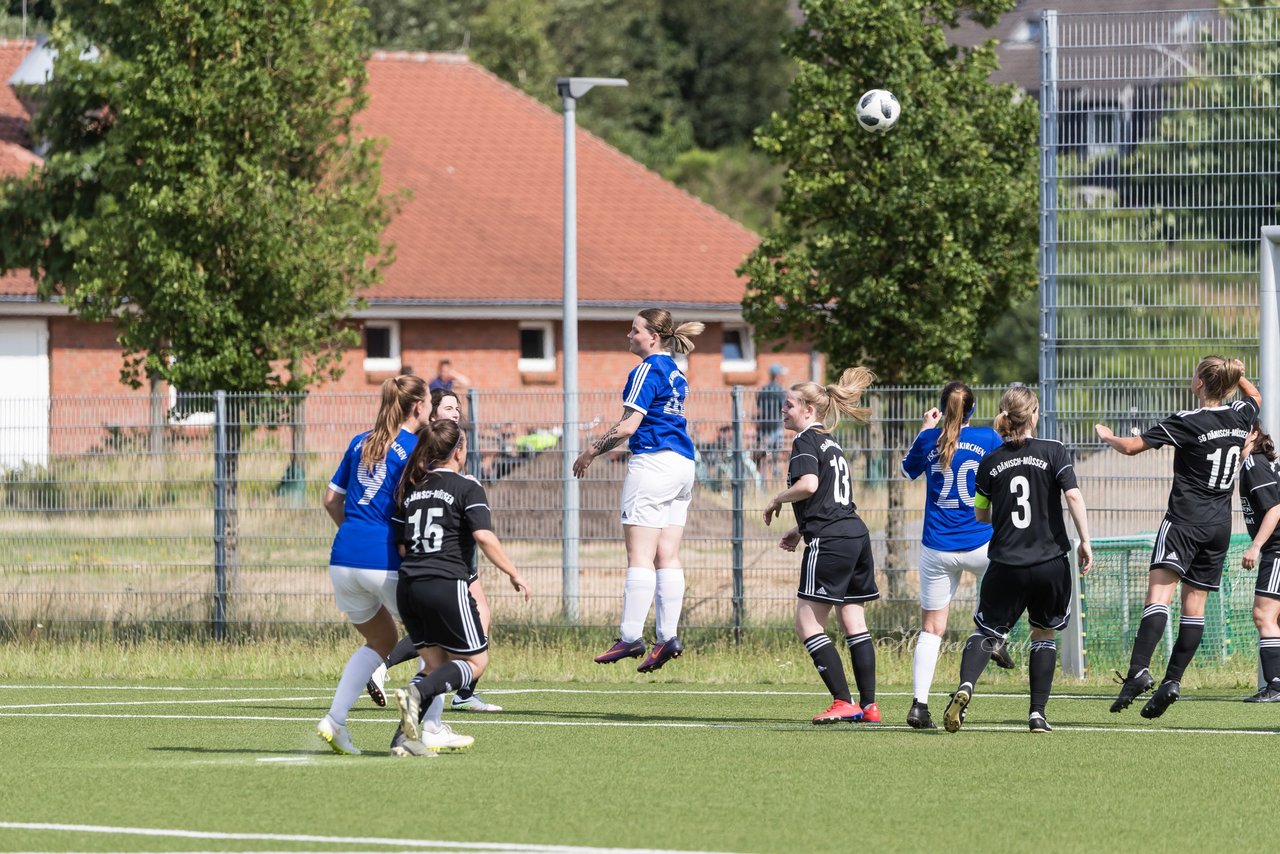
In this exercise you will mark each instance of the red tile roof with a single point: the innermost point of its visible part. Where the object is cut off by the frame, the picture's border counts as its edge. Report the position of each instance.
(13, 116)
(14, 158)
(484, 164)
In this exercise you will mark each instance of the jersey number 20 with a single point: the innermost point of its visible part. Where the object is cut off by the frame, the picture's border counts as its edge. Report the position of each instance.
(961, 484)
(434, 534)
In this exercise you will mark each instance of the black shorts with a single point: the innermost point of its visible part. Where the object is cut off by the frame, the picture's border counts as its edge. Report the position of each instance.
(1043, 590)
(839, 570)
(1268, 576)
(1195, 552)
(440, 612)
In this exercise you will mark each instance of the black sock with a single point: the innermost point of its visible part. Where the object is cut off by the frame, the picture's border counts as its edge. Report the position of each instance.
(1154, 618)
(401, 652)
(976, 656)
(1044, 660)
(1190, 631)
(827, 661)
(450, 676)
(862, 652)
(1269, 653)
(468, 692)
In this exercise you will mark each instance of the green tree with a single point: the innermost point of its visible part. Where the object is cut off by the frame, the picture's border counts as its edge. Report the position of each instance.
(441, 25)
(897, 251)
(735, 74)
(204, 187)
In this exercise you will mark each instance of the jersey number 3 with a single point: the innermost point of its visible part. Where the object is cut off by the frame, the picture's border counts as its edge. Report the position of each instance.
(1020, 487)
(434, 534)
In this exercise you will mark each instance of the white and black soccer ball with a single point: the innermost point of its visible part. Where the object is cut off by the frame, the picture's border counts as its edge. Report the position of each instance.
(878, 111)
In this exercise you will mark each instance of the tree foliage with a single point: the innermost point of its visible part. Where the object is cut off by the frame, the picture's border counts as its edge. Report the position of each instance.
(204, 186)
(897, 251)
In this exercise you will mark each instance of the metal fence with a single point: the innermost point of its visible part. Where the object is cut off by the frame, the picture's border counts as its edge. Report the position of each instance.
(1159, 166)
(208, 514)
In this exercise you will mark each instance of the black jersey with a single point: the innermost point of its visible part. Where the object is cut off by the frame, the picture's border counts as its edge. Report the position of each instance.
(1024, 487)
(1259, 492)
(829, 512)
(1206, 458)
(435, 523)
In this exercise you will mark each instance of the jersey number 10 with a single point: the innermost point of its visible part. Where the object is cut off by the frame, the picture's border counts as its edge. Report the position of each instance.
(1228, 475)
(434, 538)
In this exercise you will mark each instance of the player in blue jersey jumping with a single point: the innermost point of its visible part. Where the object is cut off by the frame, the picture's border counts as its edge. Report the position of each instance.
(657, 489)
(364, 560)
(947, 450)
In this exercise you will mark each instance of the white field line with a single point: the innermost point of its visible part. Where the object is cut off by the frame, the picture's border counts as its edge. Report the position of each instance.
(611, 692)
(782, 727)
(420, 844)
(222, 700)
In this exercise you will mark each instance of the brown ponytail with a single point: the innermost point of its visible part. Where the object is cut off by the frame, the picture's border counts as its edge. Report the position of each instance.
(437, 442)
(677, 339)
(399, 396)
(1264, 444)
(957, 403)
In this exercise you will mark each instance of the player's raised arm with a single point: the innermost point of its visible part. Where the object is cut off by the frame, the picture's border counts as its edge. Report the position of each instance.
(1127, 445)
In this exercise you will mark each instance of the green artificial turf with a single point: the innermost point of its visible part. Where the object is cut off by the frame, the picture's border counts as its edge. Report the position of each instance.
(706, 768)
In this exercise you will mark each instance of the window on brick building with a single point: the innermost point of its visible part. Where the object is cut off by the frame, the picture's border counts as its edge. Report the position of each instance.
(382, 345)
(737, 350)
(537, 346)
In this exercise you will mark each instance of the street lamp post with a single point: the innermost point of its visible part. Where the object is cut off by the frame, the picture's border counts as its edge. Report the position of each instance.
(571, 89)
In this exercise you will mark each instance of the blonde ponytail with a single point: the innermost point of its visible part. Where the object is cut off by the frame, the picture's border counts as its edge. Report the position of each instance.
(1018, 407)
(829, 402)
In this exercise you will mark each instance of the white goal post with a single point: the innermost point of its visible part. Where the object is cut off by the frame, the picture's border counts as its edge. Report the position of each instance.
(1269, 339)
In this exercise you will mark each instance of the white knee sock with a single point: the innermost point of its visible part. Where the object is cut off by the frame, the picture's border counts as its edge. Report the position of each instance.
(637, 596)
(355, 676)
(926, 659)
(669, 601)
(431, 718)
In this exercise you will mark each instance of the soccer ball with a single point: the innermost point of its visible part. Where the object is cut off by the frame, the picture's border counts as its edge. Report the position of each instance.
(878, 111)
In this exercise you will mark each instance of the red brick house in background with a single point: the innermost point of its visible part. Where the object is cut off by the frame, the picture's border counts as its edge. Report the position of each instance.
(477, 275)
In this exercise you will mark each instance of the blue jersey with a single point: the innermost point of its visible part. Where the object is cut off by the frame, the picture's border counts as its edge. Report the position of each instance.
(657, 388)
(365, 538)
(949, 525)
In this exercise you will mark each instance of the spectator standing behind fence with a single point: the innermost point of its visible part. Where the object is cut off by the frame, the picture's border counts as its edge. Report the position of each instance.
(838, 568)
(658, 486)
(769, 422)
(441, 516)
(364, 560)
(447, 377)
(1192, 542)
(947, 451)
(1019, 490)
(445, 405)
(1260, 501)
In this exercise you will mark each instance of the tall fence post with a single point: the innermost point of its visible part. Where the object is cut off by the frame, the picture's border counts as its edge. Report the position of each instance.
(739, 476)
(1073, 652)
(220, 515)
(473, 433)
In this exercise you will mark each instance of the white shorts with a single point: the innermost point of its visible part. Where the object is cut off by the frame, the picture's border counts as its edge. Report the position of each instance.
(361, 592)
(940, 574)
(657, 489)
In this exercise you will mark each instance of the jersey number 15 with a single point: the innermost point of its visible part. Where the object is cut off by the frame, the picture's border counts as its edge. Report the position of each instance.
(434, 534)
